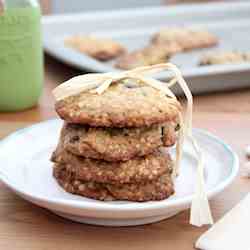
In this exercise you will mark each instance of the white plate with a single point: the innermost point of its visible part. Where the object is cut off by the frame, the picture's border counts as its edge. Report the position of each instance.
(26, 169)
(134, 27)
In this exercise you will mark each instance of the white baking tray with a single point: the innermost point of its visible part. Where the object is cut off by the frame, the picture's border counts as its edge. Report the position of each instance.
(134, 27)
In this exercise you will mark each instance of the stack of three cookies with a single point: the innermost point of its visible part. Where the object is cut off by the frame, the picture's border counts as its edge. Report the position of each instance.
(110, 147)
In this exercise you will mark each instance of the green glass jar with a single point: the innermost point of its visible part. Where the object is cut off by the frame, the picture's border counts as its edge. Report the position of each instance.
(21, 56)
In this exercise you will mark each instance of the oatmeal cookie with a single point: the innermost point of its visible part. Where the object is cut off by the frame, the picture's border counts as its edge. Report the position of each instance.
(158, 189)
(116, 144)
(187, 39)
(124, 104)
(139, 169)
(224, 58)
(98, 48)
(150, 55)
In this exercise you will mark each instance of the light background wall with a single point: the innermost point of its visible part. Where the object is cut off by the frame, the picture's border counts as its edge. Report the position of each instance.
(60, 6)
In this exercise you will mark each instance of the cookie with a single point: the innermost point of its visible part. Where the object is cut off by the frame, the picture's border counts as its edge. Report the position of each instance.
(246, 56)
(98, 48)
(150, 55)
(224, 58)
(170, 133)
(187, 39)
(124, 104)
(140, 169)
(158, 189)
(116, 144)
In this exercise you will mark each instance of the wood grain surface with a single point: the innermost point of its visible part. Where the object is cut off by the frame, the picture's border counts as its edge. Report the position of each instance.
(24, 226)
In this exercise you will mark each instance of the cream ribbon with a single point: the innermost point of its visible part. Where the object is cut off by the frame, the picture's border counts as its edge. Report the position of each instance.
(98, 83)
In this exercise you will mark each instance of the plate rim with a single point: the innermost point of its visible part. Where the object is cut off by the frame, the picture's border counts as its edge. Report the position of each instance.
(130, 206)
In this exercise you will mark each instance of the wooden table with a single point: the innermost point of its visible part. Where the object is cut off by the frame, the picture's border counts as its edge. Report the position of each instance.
(24, 226)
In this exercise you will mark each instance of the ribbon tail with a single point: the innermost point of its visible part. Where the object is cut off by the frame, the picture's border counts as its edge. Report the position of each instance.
(200, 210)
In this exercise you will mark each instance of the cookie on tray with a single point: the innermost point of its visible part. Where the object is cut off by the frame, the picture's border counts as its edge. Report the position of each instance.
(139, 169)
(186, 38)
(229, 57)
(158, 189)
(150, 55)
(124, 104)
(98, 48)
(116, 144)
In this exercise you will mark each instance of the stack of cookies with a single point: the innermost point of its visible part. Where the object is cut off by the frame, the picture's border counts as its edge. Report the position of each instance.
(110, 147)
